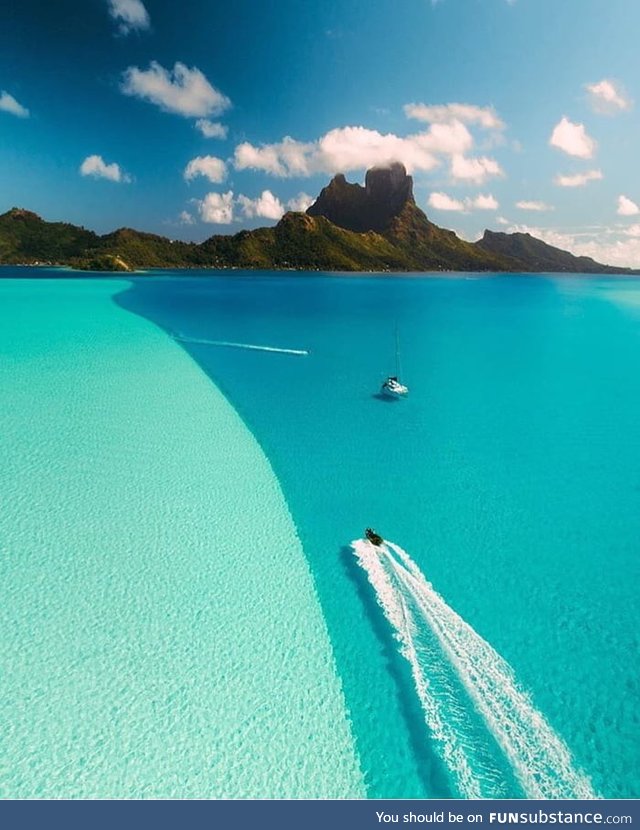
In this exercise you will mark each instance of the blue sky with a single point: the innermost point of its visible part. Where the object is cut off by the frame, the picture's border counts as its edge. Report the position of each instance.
(207, 117)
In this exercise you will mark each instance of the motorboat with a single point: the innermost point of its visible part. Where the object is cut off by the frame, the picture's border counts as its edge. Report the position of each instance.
(373, 537)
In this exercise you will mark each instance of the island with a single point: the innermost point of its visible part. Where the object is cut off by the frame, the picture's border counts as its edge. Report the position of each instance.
(350, 227)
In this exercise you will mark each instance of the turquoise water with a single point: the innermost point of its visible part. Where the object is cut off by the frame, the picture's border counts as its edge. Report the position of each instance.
(160, 635)
(511, 480)
(492, 649)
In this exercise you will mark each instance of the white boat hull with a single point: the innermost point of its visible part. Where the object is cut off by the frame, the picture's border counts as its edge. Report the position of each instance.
(395, 389)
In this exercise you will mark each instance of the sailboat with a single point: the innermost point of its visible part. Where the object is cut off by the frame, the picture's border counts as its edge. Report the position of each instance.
(392, 387)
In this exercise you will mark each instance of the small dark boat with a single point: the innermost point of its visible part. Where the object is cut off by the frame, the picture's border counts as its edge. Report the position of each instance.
(374, 537)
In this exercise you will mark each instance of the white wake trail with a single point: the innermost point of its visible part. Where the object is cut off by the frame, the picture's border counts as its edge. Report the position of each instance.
(392, 602)
(230, 345)
(537, 756)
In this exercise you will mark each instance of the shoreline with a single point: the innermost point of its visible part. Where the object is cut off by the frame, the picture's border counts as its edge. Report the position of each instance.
(67, 272)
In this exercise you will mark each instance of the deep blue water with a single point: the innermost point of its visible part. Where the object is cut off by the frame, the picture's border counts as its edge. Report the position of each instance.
(511, 475)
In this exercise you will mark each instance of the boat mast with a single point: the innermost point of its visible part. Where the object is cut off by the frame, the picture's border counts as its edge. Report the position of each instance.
(397, 352)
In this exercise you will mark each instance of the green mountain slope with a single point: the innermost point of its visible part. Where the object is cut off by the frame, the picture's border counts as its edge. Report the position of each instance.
(433, 248)
(306, 242)
(147, 250)
(350, 227)
(531, 254)
(24, 237)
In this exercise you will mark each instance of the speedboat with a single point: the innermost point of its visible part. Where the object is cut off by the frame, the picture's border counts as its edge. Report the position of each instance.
(373, 537)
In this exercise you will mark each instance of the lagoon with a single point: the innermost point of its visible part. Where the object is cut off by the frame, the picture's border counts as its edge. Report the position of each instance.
(509, 477)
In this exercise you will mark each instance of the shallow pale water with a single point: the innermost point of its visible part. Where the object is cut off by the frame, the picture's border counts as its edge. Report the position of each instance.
(160, 635)
(511, 476)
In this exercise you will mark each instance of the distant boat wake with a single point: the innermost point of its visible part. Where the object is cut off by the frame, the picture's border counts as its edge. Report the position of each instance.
(230, 345)
(485, 727)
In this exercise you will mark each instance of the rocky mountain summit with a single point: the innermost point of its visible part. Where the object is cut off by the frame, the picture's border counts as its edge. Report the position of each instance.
(370, 208)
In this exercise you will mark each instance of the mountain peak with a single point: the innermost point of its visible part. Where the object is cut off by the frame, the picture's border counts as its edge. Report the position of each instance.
(390, 183)
(387, 189)
(22, 214)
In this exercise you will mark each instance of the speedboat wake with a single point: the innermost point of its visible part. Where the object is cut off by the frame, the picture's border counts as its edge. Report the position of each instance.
(485, 727)
(231, 345)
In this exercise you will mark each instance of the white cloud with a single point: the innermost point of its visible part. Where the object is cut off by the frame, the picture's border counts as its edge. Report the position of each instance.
(357, 148)
(217, 208)
(210, 167)
(130, 14)
(604, 244)
(446, 139)
(482, 202)
(186, 218)
(96, 167)
(535, 206)
(608, 98)
(626, 207)
(632, 230)
(579, 179)
(502, 221)
(182, 90)
(266, 205)
(9, 104)
(625, 253)
(442, 201)
(271, 158)
(573, 139)
(210, 129)
(300, 202)
(340, 150)
(485, 117)
(346, 149)
(551, 236)
(474, 170)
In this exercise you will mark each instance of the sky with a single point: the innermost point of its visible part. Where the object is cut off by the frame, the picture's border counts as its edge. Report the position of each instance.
(201, 117)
